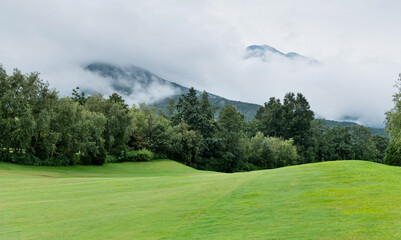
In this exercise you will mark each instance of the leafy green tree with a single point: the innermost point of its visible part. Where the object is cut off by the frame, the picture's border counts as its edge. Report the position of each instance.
(363, 145)
(114, 98)
(232, 140)
(143, 120)
(230, 120)
(393, 128)
(79, 96)
(188, 110)
(26, 103)
(198, 115)
(381, 143)
(80, 131)
(207, 111)
(290, 120)
(320, 141)
(170, 108)
(340, 144)
(269, 152)
(91, 127)
(393, 155)
(118, 121)
(271, 117)
(150, 130)
(185, 145)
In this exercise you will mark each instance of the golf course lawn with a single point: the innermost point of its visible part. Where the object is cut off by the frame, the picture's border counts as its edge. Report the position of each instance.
(164, 199)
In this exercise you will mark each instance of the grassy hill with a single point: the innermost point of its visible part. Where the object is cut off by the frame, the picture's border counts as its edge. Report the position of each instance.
(166, 200)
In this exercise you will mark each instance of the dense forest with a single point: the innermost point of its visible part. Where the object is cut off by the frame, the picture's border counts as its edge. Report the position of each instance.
(39, 127)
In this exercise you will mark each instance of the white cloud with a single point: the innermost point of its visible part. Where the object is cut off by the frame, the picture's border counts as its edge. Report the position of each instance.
(201, 44)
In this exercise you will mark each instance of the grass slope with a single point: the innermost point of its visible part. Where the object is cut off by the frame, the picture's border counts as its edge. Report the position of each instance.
(166, 200)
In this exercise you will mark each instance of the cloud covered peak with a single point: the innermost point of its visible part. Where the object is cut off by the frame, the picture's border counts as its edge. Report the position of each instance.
(267, 53)
(134, 83)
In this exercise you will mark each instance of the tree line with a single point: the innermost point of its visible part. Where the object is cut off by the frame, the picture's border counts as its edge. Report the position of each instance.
(39, 127)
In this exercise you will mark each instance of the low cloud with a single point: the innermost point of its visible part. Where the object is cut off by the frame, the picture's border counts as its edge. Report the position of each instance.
(202, 44)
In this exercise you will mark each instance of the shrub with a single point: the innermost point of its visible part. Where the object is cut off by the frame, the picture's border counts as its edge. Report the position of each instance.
(159, 156)
(392, 157)
(94, 159)
(100, 157)
(76, 159)
(112, 159)
(142, 155)
(269, 152)
(28, 159)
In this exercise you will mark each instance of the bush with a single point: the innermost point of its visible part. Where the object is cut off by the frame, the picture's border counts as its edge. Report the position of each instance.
(27, 159)
(269, 152)
(112, 159)
(159, 156)
(94, 159)
(142, 155)
(100, 157)
(76, 159)
(393, 156)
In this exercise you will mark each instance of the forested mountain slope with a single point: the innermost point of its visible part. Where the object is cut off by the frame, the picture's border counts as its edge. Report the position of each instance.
(132, 80)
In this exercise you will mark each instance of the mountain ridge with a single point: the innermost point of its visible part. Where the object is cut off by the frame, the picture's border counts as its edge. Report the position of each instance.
(125, 81)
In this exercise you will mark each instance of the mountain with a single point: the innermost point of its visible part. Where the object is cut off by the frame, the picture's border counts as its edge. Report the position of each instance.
(132, 81)
(126, 79)
(266, 53)
(332, 123)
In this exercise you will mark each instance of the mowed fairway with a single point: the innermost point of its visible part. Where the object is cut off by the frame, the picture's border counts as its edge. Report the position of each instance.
(166, 200)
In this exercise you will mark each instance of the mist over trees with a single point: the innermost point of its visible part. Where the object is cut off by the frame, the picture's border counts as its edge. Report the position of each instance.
(39, 127)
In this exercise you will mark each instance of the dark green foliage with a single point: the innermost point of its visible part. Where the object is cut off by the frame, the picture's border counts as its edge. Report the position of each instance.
(247, 109)
(271, 117)
(393, 127)
(100, 157)
(45, 129)
(112, 159)
(331, 124)
(188, 110)
(137, 142)
(232, 140)
(185, 145)
(160, 140)
(142, 155)
(94, 158)
(290, 120)
(268, 152)
(28, 159)
(381, 143)
(206, 125)
(342, 143)
(40, 128)
(393, 155)
(197, 114)
(117, 128)
(79, 96)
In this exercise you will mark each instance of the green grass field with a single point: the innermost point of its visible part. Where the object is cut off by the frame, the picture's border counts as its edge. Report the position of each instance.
(166, 200)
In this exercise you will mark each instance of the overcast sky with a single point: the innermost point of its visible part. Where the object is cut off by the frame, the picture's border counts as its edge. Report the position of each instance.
(202, 44)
